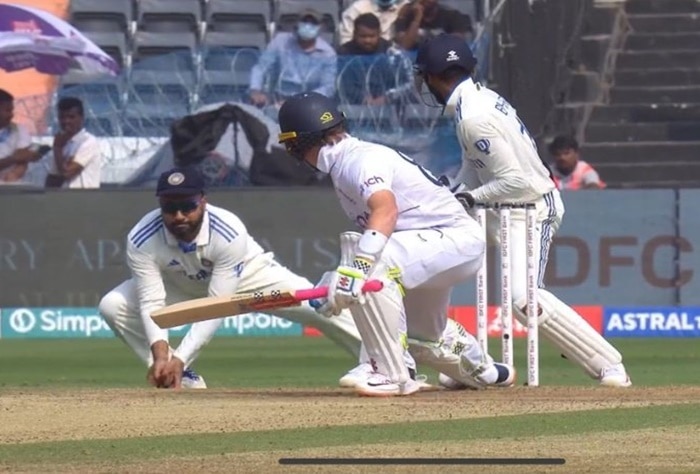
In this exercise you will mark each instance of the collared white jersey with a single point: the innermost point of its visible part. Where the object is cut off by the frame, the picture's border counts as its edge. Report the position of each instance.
(500, 162)
(209, 266)
(358, 169)
(84, 149)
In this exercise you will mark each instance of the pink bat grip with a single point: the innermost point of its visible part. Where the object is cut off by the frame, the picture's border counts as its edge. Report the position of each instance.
(322, 291)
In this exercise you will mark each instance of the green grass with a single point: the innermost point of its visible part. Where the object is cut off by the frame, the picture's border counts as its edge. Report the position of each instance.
(297, 362)
(505, 427)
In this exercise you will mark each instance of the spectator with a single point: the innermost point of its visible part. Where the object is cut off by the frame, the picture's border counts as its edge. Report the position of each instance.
(302, 60)
(366, 37)
(15, 143)
(77, 160)
(372, 72)
(422, 19)
(570, 172)
(386, 10)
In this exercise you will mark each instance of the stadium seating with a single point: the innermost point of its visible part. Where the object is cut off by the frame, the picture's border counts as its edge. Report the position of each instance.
(467, 7)
(287, 13)
(168, 16)
(156, 49)
(113, 43)
(101, 15)
(239, 16)
(226, 73)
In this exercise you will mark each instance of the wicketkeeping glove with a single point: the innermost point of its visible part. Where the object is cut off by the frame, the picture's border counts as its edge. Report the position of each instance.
(466, 200)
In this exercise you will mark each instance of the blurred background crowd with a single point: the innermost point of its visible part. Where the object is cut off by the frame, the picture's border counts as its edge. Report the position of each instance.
(200, 82)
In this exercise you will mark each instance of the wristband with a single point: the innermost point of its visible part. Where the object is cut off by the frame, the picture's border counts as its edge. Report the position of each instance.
(371, 245)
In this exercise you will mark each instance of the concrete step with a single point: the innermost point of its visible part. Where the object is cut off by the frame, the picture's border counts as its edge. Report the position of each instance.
(636, 132)
(655, 95)
(679, 58)
(669, 174)
(665, 41)
(644, 113)
(664, 23)
(641, 152)
(662, 6)
(657, 77)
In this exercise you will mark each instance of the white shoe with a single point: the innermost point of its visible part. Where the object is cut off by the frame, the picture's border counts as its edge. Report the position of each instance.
(356, 376)
(378, 385)
(190, 379)
(451, 384)
(615, 376)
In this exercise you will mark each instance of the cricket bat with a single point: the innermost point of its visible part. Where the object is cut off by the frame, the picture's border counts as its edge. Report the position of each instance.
(214, 307)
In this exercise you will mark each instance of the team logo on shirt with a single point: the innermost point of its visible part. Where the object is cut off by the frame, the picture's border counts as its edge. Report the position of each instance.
(176, 179)
(452, 56)
(326, 117)
(207, 263)
(483, 145)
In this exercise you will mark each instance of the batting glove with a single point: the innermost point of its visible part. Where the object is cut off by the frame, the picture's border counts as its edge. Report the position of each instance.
(346, 284)
(322, 305)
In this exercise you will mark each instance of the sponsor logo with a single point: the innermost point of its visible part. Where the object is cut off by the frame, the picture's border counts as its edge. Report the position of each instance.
(370, 182)
(40, 323)
(652, 322)
(53, 323)
(466, 316)
(452, 56)
(252, 324)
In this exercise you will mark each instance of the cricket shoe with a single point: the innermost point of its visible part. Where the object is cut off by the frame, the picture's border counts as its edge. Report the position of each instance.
(615, 376)
(364, 371)
(191, 379)
(504, 377)
(378, 385)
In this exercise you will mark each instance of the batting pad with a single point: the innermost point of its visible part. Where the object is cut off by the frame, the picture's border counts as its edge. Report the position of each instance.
(379, 323)
(457, 355)
(572, 335)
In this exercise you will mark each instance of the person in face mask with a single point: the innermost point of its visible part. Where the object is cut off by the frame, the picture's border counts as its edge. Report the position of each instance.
(303, 59)
(386, 10)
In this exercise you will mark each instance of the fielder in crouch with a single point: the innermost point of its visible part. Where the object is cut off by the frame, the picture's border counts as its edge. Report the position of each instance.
(417, 239)
(190, 249)
(500, 164)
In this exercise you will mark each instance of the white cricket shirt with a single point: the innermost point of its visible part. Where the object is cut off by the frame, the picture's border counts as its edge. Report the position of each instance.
(83, 149)
(12, 138)
(211, 265)
(500, 162)
(358, 169)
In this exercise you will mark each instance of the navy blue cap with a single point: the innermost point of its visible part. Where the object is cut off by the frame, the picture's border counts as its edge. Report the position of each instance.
(442, 52)
(180, 181)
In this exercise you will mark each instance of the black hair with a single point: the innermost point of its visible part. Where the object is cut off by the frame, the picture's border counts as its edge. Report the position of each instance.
(68, 103)
(561, 143)
(368, 20)
(6, 97)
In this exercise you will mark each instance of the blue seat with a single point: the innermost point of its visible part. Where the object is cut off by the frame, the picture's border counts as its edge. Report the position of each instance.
(169, 16)
(238, 16)
(165, 51)
(160, 93)
(101, 15)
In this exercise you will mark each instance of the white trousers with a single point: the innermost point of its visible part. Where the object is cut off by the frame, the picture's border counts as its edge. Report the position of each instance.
(432, 262)
(550, 211)
(120, 308)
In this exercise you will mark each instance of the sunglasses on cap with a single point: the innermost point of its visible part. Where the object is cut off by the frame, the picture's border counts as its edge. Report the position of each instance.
(172, 207)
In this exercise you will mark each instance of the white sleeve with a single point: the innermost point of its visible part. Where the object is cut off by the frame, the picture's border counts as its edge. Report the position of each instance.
(149, 288)
(347, 24)
(24, 140)
(467, 174)
(88, 151)
(228, 265)
(497, 157)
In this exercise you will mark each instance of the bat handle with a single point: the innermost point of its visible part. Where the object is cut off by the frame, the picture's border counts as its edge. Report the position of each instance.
(322, 291)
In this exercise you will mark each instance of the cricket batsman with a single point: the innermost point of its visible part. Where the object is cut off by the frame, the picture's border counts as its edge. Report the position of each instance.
(416, 238)
(501, 164)
(186, 249)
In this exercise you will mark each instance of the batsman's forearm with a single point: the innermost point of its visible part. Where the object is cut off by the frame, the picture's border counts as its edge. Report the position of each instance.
(196, 338)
